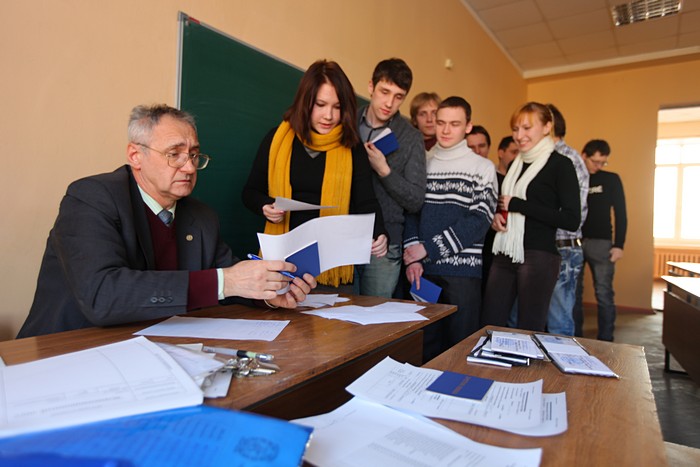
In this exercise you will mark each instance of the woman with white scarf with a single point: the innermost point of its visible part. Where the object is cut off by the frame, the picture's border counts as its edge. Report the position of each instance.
(540, 194)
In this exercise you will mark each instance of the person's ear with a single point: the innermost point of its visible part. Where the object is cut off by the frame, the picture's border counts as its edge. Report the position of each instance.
(134, 155)
(468, 129)
(548, 129)
(370, 87)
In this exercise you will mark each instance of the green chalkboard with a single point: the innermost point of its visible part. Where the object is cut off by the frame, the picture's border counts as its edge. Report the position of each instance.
(237, 94)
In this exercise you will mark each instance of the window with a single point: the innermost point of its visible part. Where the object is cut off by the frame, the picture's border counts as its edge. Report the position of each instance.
(677, 192)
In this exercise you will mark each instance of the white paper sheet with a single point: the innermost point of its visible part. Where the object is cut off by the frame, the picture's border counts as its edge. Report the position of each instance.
(506, 406)
(388, 312)
(318, 300)
(126, 378)
(216, 328)
(341, 240)
(286, 204)
(361, 433)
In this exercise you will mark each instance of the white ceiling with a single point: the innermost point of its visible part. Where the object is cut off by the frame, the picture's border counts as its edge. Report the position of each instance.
(546, 37)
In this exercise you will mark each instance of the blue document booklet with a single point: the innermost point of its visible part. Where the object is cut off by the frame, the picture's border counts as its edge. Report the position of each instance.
(189, 436)
(459, 385)
(306, 260)
(386, 142)
(429, 292)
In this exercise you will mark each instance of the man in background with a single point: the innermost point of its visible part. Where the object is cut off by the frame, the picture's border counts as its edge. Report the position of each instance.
(507, 151)
(601, 249)
(423, 110)
(560, 318)
(131, 245)
(398, 178)
(479, 141)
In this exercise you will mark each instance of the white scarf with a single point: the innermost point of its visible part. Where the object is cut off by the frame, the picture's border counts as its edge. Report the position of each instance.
(510, 242)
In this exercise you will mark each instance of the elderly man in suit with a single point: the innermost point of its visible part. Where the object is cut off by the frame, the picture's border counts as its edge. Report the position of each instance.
(131, 245)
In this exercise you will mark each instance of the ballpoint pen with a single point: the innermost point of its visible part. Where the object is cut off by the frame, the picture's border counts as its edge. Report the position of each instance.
(284, 273)
(263, 357)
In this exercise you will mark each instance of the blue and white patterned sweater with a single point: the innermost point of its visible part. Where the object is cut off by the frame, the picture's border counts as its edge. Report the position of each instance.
(460, 201)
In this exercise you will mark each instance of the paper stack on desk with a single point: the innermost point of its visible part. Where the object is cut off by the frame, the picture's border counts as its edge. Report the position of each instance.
(517, 408)
(361, 433)
(126, 378)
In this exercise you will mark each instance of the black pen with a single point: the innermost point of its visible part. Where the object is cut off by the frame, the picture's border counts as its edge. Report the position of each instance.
(263, 357)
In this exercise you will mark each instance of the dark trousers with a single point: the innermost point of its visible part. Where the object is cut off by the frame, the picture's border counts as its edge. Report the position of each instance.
(532, 282)
(465, 293)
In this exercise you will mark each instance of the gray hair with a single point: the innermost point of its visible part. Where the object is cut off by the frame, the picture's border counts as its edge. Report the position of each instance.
(144, 118)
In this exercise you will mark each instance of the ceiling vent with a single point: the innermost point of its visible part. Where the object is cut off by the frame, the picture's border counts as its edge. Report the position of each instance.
(643, 10)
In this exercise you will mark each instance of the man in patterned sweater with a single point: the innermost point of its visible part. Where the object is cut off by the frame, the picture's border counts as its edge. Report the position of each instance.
(444, 241)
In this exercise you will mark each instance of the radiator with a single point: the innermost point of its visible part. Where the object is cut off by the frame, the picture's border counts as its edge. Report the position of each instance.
(664, 255)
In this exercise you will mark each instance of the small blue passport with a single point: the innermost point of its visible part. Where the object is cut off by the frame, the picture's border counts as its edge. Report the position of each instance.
(429, 292)
(306, 260)
(459, 385)
(387, 143)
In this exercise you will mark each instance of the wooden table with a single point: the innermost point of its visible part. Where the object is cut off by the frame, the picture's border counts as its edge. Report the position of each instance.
(318, 357)
(612, 422)
(683, 269)
(682, 323)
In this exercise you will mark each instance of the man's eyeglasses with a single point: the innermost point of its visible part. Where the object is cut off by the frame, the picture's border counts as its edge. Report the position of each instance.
(599, 163)
(177, 160)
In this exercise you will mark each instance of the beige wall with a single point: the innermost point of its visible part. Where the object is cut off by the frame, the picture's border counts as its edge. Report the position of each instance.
(621, 107)
(72, 70)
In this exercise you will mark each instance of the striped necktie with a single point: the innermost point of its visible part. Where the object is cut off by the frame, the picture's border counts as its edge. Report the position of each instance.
(166, 216)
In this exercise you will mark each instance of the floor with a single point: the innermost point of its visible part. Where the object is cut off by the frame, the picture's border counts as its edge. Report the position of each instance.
(677, 396)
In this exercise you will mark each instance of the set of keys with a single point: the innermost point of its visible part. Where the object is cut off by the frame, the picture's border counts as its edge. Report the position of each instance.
(246, 366)
(245, 363)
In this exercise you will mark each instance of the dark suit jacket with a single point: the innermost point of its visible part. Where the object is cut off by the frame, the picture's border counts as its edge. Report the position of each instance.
(98, 265)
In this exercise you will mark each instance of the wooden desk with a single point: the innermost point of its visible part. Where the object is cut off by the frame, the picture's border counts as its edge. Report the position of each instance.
(611, 422)
(683, 269)
(318, 357)
(682, 323)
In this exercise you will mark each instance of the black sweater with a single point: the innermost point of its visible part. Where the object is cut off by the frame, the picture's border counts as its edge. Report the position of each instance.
(306, 177)
(552, 203)
(606, 192)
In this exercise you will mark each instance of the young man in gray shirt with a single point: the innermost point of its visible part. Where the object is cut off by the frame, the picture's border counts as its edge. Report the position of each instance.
(399, 176)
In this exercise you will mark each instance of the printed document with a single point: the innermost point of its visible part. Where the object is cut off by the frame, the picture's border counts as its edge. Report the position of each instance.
(361, 433)
(126, 378)
(216, 328)
(506, 406)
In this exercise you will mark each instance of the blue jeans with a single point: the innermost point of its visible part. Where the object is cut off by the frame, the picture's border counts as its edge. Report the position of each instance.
(560, 319)
(596, 252)
(380, 276)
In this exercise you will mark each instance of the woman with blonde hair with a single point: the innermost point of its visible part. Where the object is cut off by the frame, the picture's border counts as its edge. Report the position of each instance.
(539, 194)
(315, 155)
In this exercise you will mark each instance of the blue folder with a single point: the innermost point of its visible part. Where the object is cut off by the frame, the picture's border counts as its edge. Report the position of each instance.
(189, 436)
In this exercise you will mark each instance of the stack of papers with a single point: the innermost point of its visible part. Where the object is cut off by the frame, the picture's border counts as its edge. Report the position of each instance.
(517, 408)
(362, 433)
(505, 349)
(571, 357)
(388, 312)
(116, 380)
